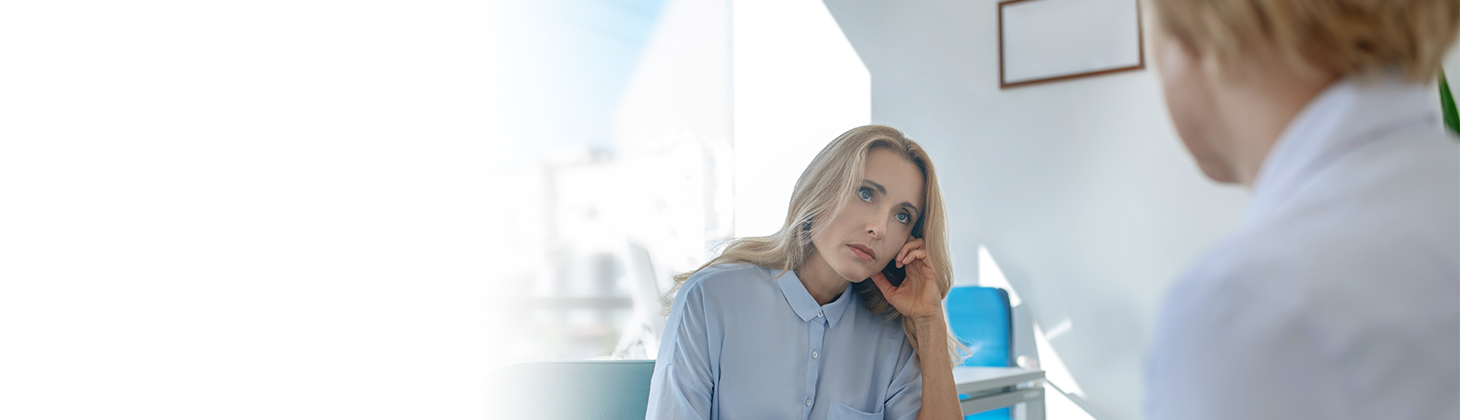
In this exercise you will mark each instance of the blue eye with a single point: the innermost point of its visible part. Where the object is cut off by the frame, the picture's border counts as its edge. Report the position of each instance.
(865, 194)
(904, 217)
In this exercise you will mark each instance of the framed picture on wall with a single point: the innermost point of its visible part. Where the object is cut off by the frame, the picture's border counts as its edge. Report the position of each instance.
(1050, 40)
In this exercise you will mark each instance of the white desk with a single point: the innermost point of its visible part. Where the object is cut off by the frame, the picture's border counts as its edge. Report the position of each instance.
(988, 388)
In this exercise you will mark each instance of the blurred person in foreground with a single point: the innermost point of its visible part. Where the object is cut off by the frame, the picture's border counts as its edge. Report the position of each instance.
(1339, 296)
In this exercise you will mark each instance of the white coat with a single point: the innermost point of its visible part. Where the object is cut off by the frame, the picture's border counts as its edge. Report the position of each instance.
(1339, 297)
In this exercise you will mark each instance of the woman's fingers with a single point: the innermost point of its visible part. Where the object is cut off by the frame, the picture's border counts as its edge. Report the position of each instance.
(920, 291)
(882, 284)
(897, 296)
(916, 243)
(913, 255)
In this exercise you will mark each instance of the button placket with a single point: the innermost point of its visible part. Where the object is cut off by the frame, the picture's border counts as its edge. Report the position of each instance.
(817, 335)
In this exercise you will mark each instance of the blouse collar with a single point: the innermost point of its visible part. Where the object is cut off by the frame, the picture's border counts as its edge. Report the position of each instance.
(805, 306)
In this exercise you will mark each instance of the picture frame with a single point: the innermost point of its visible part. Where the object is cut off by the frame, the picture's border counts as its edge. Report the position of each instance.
(1043, 41)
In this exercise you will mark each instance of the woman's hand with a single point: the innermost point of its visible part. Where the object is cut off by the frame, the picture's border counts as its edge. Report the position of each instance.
(920, 296)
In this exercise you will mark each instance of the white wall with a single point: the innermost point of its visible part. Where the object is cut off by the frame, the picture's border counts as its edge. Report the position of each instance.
(265, 210)
(798, 84)
(1080, 189)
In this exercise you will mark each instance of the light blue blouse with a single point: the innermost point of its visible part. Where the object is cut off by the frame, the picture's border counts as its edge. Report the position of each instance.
(741, 343)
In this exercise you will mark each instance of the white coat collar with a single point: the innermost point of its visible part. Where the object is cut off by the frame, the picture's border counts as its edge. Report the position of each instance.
(1345, 117)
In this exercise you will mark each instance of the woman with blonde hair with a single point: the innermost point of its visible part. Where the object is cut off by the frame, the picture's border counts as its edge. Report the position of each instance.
(804, 323)
(1339, 296)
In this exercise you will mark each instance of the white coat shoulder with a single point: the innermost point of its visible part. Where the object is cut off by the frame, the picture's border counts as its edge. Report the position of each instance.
(1344, 302)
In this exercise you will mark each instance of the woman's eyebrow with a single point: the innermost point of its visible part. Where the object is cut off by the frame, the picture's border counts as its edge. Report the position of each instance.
(915, 210)
(876, 185)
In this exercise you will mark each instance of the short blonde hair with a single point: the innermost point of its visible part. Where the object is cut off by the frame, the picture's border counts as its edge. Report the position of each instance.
(1347, 37)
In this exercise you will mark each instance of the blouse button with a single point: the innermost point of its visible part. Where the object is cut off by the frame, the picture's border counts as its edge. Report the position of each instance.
(808, 402)
(813, 355)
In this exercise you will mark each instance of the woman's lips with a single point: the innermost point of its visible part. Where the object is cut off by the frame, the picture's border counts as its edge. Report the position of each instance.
(863, 252)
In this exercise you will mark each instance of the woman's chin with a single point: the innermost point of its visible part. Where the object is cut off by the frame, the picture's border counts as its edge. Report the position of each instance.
(855, 272)
(859, 276)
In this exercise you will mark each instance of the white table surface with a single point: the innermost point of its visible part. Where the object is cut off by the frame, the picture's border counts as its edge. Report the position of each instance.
(993, 387)
(984, 378)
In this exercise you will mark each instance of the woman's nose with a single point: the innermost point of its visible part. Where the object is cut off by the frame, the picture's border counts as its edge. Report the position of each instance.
(875, 229)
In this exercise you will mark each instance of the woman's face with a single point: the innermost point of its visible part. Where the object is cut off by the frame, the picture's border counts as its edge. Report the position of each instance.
(875, 221)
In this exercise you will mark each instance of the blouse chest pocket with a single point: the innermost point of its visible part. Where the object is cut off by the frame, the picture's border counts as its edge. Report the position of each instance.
(839, 411)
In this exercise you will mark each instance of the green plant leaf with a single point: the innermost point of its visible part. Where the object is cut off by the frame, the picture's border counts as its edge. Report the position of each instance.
(1447, 105)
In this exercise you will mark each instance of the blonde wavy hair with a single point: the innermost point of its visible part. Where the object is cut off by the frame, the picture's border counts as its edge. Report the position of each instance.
(1346, 37)
(834, 175)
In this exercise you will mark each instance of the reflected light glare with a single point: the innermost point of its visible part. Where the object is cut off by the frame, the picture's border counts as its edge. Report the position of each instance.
(797, 85)
(989, 275)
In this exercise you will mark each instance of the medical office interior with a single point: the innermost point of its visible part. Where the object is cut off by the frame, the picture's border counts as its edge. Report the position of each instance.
(340, 209)
(694, 118)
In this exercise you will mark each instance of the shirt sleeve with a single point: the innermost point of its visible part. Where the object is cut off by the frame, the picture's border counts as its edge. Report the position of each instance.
(905, 393)
(683, 382)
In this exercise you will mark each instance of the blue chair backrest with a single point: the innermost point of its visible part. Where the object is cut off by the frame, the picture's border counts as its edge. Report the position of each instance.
(578, 390)
(981, 319)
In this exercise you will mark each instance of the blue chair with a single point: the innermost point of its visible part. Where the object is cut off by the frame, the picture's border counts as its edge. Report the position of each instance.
(982, 319)
(578, 390)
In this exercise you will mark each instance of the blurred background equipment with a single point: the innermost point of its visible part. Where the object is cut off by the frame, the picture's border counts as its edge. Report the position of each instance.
(649, 132)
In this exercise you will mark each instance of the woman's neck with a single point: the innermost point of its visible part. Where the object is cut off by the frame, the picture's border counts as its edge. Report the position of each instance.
(1261, 105)
(824, 284)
